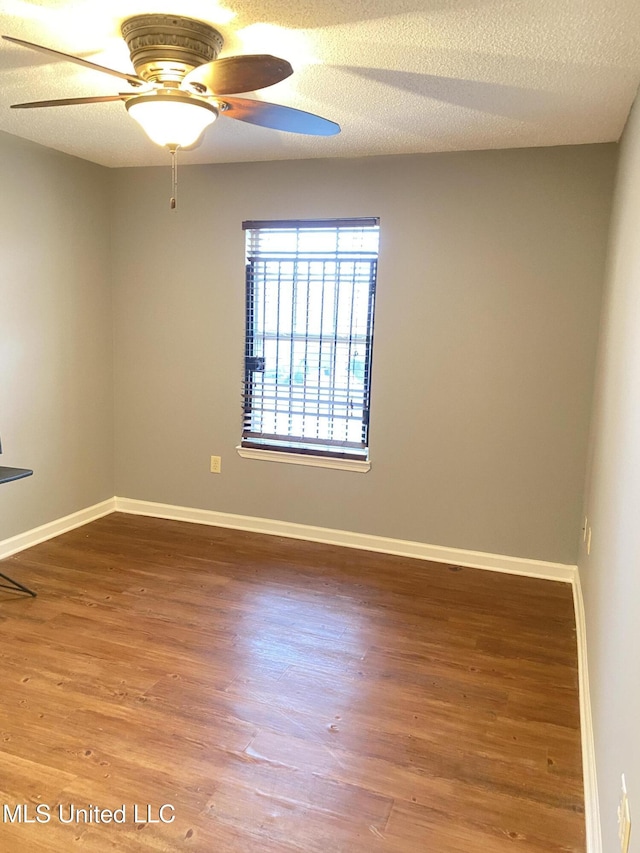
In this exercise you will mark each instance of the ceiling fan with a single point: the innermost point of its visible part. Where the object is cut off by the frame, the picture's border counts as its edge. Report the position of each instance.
(180, 86)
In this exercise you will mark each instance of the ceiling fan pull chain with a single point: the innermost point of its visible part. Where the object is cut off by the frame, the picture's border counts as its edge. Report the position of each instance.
(174, 176)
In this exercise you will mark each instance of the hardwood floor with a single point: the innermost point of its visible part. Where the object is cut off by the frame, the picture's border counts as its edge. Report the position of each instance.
(282, 696)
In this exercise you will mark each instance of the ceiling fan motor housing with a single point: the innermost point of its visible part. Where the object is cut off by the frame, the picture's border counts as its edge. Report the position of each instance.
(164, 48)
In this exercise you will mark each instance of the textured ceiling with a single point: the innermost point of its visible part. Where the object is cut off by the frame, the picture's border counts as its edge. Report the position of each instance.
(399, 76)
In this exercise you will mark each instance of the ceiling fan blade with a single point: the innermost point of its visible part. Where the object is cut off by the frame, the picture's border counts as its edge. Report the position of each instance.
(65, 102)
(278, 117)
(239, 74)
(135, 81)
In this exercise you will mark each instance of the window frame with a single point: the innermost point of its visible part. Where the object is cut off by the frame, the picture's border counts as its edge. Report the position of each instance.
(304, 449)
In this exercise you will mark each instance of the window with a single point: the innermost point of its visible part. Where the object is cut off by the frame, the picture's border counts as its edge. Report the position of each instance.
(309, 335)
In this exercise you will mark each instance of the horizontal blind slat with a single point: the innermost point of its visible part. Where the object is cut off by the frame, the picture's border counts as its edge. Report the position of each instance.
(292, 224)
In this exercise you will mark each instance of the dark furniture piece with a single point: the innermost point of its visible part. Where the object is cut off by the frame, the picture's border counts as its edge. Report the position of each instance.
(6, 476)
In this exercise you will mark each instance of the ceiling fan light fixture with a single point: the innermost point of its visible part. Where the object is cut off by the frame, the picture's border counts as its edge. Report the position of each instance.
(172, 120)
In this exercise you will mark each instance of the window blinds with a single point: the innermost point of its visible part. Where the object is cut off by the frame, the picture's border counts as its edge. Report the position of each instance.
(310, 289)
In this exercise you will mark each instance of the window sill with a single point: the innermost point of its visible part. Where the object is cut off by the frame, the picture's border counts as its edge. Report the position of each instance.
(301, 459)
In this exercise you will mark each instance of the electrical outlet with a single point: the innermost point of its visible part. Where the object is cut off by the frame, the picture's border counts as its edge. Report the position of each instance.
(589, 541)
(624, 819)
(216, 464)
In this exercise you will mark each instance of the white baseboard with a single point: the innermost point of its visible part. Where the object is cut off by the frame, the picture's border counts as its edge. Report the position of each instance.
(362, 541)
(55, 528)
(590, 781)
(346, 539)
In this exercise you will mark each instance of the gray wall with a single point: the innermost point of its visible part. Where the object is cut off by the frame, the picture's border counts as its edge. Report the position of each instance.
(489, 291)
(56, 398)
(610, 576)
